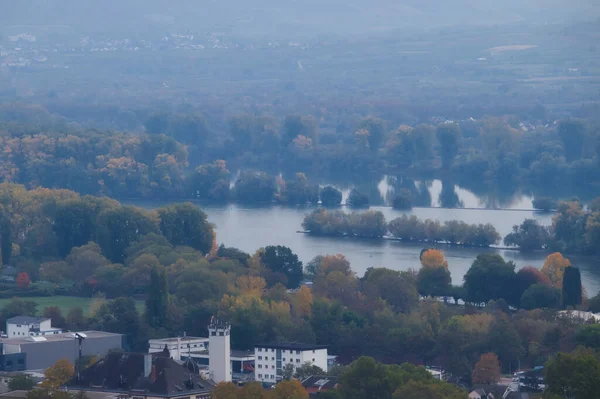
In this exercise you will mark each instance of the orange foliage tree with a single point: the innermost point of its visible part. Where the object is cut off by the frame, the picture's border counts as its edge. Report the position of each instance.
(434, 258)
(487, 369)
(23, 280)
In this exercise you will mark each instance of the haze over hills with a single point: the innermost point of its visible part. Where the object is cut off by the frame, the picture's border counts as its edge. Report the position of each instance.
(281, 17)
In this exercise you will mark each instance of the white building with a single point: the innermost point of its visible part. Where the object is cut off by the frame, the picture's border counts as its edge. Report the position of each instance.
(180, 346)
(219, 356)
(270, 359)
(27, 326)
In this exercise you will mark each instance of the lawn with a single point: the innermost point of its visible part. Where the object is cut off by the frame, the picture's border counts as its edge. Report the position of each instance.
(65, 303)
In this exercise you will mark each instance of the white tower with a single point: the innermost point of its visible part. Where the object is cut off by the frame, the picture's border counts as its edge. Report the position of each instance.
(219, 350)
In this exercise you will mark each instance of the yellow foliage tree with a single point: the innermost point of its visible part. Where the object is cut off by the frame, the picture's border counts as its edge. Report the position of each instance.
(225, 390)
(58, 374)
(251, 286)
(290, 390)
(433, 258)
(303, 301)
(554, 267)
(331, 263)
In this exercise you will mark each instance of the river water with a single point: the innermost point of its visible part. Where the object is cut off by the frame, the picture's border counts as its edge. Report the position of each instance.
(249, 228)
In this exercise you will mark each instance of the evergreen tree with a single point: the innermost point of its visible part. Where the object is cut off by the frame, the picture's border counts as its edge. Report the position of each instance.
(5, 238)
(571, 288)
(157, 302)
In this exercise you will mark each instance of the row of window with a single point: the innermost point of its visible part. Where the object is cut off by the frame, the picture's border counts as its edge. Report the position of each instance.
(282, 351)
(266, 376)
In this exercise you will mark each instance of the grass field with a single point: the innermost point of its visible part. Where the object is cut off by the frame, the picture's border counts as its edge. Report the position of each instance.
(65, 303)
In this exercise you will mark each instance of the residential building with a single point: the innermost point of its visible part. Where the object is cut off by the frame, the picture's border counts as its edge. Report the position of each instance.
(141, 376)
(27, 326)
(270, 359)
(319, 383)
(178, 347)
(42, 352)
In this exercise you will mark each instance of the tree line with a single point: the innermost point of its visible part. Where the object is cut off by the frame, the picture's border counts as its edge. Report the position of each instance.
(372, 224)
(574, 229)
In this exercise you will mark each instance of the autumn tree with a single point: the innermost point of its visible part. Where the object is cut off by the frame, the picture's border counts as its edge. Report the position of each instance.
(292, 389)
(487, 369)
(23, 280)
(58, 374)
(251, 285)
(433, 258)
(225, 390)
(303, 301)
(554, 267)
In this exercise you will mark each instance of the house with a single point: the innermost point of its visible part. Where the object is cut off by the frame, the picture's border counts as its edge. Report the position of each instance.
(319, 383)
(28, 326)
(481, 393)
(270, 359)
(141, 376)
(579, 316)
(41, 352)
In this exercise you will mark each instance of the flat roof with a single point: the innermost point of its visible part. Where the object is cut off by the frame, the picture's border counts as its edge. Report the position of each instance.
(68, 336)
(26, 319)
(292, 346)
(180, 339)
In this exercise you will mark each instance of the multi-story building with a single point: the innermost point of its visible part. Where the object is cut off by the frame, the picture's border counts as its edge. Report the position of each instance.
(270, 359)
(27, 326)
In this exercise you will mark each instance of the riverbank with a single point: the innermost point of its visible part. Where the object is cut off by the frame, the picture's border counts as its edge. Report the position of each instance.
(392, 238)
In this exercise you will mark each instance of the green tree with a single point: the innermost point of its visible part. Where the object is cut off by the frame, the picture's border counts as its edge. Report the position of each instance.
(490, 277)
(589, 335)
(282, 261)
(572, 135)
(377, 130)
(356, 199)
(433, 390)
(403, 199)
(396, 288)
(540, 296)
(17, 307)
(157, 301)
(529, 236)
(21, 382)
(118, 228)
(449, 137)
(254, 188)
(306, 370)
(74, 225)
(434, 281)
(573, 375)
(544, 204)
(185, 224)
(5, 238)
(330, 196)
(571, 287)
(120, 316)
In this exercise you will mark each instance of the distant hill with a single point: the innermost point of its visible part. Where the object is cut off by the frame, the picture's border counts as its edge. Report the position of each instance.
(281, 17)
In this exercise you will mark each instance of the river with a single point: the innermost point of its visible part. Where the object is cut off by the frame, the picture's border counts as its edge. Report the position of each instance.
(249, 228)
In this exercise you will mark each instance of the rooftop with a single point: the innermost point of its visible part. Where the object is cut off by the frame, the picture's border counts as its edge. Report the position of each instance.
(291, 346)
(321, 382)
(180, 339)
(57, 337)
(26, 320)
(126, 372)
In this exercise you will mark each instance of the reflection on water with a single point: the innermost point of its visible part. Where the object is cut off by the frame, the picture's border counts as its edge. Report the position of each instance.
(251, 228)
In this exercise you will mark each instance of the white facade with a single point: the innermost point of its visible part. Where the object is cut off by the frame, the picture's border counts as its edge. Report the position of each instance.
(219, 355)
(25, 326)
(269, 360)
(180, 346)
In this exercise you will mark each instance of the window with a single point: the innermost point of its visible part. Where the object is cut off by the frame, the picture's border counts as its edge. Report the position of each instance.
(273, 366)
(260, 366)
(272, 358)
(18, 325)
(260, 358)
(297, 360)
(272, 376)
(313, 359)
(213, 333)
(260, 376)
(283, 359)
(313, 351)
(259, 349)
(221, 333)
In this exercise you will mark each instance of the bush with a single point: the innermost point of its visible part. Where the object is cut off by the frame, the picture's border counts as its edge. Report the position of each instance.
(540, 296)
